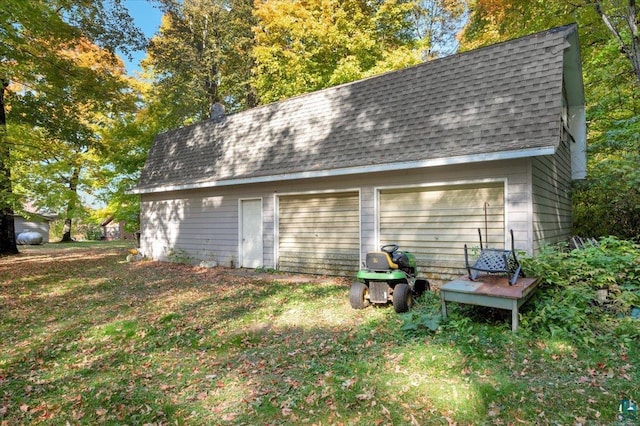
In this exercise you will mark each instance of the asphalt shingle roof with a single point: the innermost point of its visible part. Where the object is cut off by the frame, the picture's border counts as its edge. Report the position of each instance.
(495, 99)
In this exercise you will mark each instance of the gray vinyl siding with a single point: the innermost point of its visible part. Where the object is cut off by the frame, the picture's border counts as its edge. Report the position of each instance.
(190, 229)
(551, 185)
(200, 225)
(204, 223)
(368, 224)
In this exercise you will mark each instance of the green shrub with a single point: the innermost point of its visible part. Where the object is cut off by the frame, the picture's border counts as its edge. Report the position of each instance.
(566, 301)
(93, 233)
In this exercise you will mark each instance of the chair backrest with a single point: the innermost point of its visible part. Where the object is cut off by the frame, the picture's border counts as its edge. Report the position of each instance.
(380, 261)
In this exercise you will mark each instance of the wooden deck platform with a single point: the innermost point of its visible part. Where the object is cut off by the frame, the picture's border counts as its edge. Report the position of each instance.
(492, 291)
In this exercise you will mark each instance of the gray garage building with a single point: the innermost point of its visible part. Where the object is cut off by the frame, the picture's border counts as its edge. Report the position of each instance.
(421, 157)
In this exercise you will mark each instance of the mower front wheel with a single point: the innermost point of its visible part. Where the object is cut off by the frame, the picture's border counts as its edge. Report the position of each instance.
(402, 298)
(357, 295)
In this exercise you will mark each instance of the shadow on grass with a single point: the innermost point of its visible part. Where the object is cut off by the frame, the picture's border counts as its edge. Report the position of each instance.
(91, 339)
(95, 339)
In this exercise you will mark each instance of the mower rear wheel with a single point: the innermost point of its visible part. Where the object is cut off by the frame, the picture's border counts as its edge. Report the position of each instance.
(402, 298)
(357, 295)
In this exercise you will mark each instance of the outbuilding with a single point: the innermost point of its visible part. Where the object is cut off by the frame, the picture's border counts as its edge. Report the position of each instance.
(34, 222)
(491, 138)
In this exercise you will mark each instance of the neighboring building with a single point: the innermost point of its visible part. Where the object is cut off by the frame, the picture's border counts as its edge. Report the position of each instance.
(422, 157)
(114, 230)
(33, 222)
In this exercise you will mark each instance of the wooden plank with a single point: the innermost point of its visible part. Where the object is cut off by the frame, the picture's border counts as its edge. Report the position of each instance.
(493, 285)
(491, 291)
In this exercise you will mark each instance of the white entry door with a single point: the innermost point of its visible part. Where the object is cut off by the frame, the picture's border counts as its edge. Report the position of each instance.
(251, 234)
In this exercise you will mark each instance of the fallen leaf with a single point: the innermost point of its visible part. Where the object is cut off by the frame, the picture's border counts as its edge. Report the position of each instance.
(349, 382)
(364, 396)
(229, 417)
(494, 411)
(385, 411)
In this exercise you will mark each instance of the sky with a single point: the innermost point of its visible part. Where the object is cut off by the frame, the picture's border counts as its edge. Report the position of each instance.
(147, 17)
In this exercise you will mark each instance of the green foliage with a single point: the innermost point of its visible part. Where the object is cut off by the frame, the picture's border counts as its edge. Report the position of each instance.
(607, 202)
(213, 39)
(266, 270)
(426, 315)
(566, 301)
(179, 255)
(306, 46)
(83, 229)
(93, 233)
(65, 83)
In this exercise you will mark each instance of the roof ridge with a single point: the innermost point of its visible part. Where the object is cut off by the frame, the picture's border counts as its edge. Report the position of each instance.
(565, 28)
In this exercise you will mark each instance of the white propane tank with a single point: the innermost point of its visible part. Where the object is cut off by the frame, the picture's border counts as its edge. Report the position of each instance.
(29, 238)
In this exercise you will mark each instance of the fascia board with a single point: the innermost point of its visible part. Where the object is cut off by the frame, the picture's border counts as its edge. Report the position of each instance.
(409, 165)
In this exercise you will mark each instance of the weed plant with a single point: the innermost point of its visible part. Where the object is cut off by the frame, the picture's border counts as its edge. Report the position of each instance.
(567, 304)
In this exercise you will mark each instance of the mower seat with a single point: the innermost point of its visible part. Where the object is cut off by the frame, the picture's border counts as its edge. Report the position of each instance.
(380, 261)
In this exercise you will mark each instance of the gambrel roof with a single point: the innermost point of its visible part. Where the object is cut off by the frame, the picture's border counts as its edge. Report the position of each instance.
(498, 102)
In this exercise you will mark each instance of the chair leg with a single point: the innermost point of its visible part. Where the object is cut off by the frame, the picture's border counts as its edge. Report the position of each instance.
(515, 276)
(466, 261)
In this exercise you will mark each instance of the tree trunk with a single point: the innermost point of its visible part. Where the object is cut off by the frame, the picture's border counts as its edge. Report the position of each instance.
(630, 46)
(71, 206)
(7, 229)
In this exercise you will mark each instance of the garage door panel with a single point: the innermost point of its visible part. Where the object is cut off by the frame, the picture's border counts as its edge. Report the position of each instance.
(319, 233)
(436, 223)
(326, 222)
(453, 199)
(436, 211)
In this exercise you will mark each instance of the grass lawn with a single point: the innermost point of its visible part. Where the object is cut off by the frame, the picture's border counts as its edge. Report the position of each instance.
(88, 338)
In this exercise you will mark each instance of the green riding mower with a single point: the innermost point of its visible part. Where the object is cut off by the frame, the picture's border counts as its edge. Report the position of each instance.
(389, 275)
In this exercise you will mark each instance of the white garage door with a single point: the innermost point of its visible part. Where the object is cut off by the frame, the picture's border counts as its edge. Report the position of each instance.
(319, 233)
(436, 223)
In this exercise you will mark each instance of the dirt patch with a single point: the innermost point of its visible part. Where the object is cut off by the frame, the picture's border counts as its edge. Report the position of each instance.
(287, 277)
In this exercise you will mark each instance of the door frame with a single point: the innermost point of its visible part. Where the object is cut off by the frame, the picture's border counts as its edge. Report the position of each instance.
(241, 229)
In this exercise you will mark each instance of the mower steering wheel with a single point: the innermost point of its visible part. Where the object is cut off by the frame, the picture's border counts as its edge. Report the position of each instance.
(389, 248)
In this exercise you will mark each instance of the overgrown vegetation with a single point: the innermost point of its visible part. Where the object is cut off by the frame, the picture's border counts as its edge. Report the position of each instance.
(568, 305)
(89, 338)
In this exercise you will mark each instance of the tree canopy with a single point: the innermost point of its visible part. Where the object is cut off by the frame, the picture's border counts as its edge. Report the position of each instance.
(608, 202)
(60, 74)
(203, 48)
(75, 123)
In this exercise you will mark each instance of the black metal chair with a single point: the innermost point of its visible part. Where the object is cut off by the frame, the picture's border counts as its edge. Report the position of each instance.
(494, 261)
